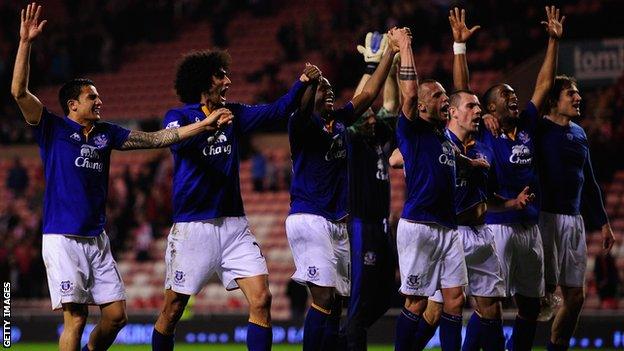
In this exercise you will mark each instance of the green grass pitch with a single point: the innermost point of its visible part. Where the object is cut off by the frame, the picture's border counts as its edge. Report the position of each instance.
(195, 347)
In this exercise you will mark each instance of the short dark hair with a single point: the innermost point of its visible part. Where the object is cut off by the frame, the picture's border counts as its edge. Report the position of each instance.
(490, 95)
(561, 83)
(195, 72)
(71, 91)
(455, 97)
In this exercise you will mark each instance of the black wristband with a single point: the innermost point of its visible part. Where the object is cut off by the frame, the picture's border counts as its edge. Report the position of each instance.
(371, 67)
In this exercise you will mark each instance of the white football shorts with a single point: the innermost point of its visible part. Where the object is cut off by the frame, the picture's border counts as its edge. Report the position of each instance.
(565, 249)
(431, 257)
(484, 268)
(81, 270)
(196, 250)
(321, 252)
(519, 248)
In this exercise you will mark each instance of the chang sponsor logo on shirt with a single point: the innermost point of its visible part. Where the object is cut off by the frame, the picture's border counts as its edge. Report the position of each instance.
(217, 144)
(89, 158)
(337, 149)
(520, 155)
(447, 158)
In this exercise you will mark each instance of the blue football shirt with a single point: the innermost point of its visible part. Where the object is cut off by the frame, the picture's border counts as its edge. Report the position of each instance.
(206, 182)
(76, 169)
(319, 153)
(566, 172)
(472, 184)
(515, 167)
(429, 165)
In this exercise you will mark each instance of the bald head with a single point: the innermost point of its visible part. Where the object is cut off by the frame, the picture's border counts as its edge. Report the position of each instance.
(432, 101)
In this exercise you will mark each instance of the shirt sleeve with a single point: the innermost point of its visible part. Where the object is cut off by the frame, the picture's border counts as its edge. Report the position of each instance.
(44, 129)
(177, 119)
(592, 205)
(529, 117)
(250, 117)
(406, 137)
(118, 135)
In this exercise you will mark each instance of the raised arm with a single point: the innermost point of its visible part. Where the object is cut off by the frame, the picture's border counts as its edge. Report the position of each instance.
(374, 47)
(165, 137)
(373, 86)
(546, 75)
(249, 118)
(408, 78)
(391, 97)
(30, 28)
(461, 34)
(371, 57)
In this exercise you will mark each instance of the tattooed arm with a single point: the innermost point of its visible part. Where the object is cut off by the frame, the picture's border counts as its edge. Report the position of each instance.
(408, 78)
(166, 137)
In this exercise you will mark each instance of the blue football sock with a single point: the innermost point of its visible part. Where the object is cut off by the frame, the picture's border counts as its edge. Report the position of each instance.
(330, 335)
(161, 342)
(314, 328)
(406, 327)
(523, 334)
(450, 332)
(259, 338)
(492, 337)
(472, 341)
(424, 333)
(556, 347)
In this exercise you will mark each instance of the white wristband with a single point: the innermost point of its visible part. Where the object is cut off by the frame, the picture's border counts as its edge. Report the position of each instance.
(459, 48)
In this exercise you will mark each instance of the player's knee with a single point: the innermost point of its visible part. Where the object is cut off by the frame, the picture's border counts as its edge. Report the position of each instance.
(76, 322)
(118, 320)
(454, 304)
(261, 300)
(490, 308)
(432, 313)
(574, 299)
(528, 307)
(416, 304)
(323, 296)
(173, 311)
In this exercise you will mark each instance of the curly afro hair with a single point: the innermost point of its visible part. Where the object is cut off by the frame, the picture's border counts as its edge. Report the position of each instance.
(195, 71)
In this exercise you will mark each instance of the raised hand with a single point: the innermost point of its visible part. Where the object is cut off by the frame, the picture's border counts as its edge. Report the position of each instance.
(218, 119)
(399, 37)
(457, 19)
(524, 198)
(30, 27)
(310, 73)
(374, 46)
(554, 25)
